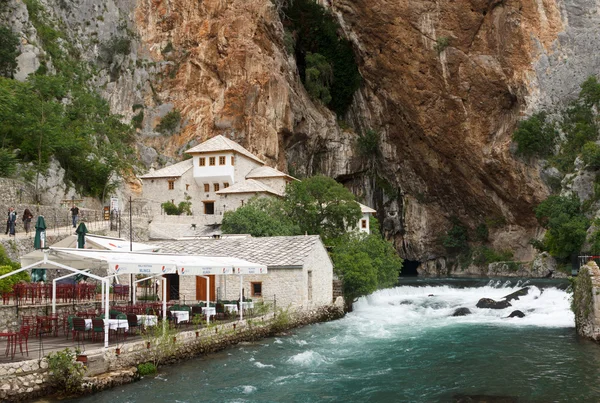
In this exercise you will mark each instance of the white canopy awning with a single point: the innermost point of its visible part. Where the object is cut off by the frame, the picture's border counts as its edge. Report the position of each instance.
(125, 262)
(95, 242)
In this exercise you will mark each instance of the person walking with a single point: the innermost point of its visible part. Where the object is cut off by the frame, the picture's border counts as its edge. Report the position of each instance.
(27, 216)
(74, 214)
(12, 221)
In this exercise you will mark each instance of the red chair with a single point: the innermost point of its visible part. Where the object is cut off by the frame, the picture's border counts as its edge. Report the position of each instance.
(21, 337)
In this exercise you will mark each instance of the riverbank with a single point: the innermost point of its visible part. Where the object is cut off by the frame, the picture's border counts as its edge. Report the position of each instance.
(27, 380)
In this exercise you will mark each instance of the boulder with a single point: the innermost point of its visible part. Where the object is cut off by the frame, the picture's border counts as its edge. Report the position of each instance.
(516, 314)
(492, 304)
(515, 295)
(462, 312)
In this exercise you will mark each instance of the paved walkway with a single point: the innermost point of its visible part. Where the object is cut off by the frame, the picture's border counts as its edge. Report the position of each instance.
(42, 346)
(92, 226)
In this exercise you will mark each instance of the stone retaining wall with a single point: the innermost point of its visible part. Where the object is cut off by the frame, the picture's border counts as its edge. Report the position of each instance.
(30, 379)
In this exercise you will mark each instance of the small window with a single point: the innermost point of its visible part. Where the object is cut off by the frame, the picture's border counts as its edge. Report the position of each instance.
(225, 185)
(171, 185)
(232, 160)
(363, 223)
(256, 289)
(202, 161)
(216, 186)
(206, 187)
(221, 160)
(242, 202)
(211, 161)
(187, 186)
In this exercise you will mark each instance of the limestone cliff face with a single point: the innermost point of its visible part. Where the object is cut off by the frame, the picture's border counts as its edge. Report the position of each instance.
(229, 74)
(443, 82)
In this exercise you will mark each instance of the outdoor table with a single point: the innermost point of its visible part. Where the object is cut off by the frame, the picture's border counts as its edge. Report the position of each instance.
(182, 316)
(113, 324)
(211, 310)
(231, 307)
(147, 320)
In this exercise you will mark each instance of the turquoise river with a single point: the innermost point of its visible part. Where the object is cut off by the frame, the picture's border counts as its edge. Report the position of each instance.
(401, 345)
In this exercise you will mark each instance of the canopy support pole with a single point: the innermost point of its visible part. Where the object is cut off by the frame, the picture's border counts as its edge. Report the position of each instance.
(241, 297)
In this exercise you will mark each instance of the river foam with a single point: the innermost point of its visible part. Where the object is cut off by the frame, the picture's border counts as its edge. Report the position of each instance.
(409, 307)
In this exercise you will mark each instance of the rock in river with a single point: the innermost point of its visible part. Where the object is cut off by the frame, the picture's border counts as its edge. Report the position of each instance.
(461, 312)
(515, 295)
(516, 314)
(491, 304)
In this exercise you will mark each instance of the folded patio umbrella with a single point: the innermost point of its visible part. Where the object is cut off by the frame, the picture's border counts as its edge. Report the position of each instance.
(81, 231)
(40, 233)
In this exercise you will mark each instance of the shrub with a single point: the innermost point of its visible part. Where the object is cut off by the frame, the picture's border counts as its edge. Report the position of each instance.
(441, 44)
(368, 143)
(183, 207)
(456, 239)
(482, 233)
(169, 123)
(485, 255)
(137, 120)
(146, 368)
(170, 208)
(591, 155)
(66, 374)
(535, 137)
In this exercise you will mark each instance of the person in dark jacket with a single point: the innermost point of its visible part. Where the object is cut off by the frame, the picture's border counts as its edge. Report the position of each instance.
(74, 215)
(12, 221)
(27, 217)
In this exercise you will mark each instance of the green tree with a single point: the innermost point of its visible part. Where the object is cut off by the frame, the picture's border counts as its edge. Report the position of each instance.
(364, 263)
(590, 91)
(565, 223)
(319, 75)
(322, 206)
(264, 216)
(8, 51)
(590, 154)
(535, 136)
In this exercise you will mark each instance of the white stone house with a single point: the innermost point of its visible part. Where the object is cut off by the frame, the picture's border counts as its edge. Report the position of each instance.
(364, 223)
(300, 272)
(221, 176)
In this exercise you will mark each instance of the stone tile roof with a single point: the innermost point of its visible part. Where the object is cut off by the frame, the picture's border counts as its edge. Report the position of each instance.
(248, 186)
(172, 171)
(366, 209)
(274, 251)
(221, 143)
(267, 172)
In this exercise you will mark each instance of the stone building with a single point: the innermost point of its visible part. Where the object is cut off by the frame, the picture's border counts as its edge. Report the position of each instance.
(221, 176)
(300, 272)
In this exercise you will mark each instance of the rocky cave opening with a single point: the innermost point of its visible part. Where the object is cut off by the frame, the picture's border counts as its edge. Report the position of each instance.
(409, 268)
